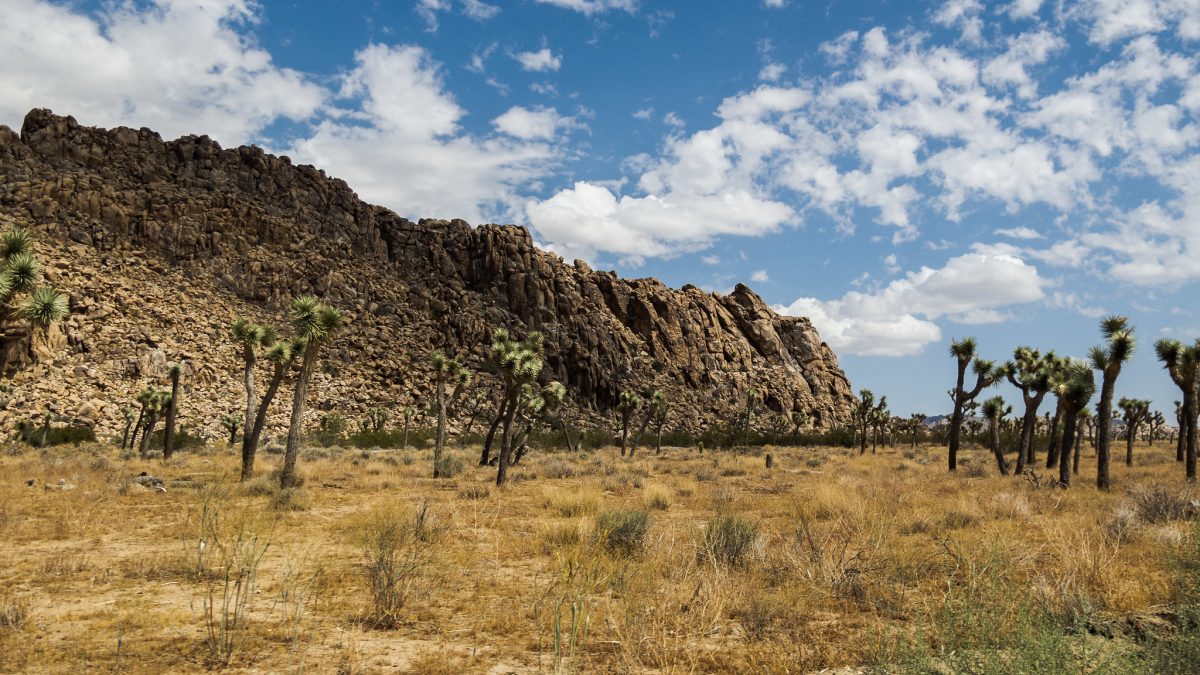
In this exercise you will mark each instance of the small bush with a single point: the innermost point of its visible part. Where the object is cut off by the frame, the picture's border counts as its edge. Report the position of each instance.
(394, 561)
(1157, 504)
(450, 465)
(814, 462)
(657, 497)
(559, 535)
(14, 612)
(730, 539)
(559, 468)
(291, 499)
(622, 532)
(956, 520)
(1122, 525)
(474, 491)
(573, 503)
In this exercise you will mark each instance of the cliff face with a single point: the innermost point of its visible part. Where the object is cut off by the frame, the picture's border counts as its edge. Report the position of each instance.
(161, 243)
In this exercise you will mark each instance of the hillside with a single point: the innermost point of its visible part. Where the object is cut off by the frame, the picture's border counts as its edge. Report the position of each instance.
(161, 244)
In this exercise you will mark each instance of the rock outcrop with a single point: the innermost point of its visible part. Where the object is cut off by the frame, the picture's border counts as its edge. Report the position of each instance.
(160, 244)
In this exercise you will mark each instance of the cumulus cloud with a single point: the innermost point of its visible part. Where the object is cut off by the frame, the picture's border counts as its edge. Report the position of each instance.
(898, 319)
(530, 124)
(760, 277)
(397, 140)
(541, 61)
(1019, 233)
(114, 68)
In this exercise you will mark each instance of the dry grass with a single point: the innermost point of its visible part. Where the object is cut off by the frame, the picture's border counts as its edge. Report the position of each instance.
(827, 561)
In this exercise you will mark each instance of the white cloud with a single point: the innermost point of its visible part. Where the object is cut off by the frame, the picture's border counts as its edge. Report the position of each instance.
(963, 14)
(428, 10)
(530, 124)
(710, 260)
(898, 319)
(541, 61)
(480, 11)
(1112, 20)
(177, 67)
(776, 4)
(772, 72)
(590, 7)
(399, 143)
(673, 120)
(1019, 233)
(1024, 9)
(643, 114)
(760, 277)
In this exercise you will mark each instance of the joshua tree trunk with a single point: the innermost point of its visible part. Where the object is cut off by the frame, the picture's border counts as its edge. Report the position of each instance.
(1075, 454)
(624, 434)
(506, 438)
(232, 436)
(1068, 442)
(251, 437)
(172, 411)
(1104, 426)
(486, 455)
(658, 441)
(566, 429)
(151, 422)
(1052, 451)
(248, 377)
(637, 437)
(1189, 414)
(137, 427)
(125, 434)
(440, 439)
(1129, 436)
(1026, 455)
(1001, 462)
(874, 440)
(287, 475)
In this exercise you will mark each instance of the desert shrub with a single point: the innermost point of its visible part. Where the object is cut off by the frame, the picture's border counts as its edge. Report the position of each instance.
(1157, 504)
(814, 462)
(733, 471)
(330, 431)
(559, 535)
(474, 491)
(957, 520)
(450, 465)
(558, 468)
(1180, 652)
(657, 497)
(44, 437)
(291, 499)
(622, 532)
(573, 503)
(395, 557)
(722, 497)
(1122, 525)
(14, 612)
(729, 539)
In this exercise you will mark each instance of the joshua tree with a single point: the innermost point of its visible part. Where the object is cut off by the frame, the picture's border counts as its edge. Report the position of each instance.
(751, 404)
(661, 408)
(281, 354)
(172, 411)
(231, 423)
(963, 352)
(1108, 360)
(155, 402)
(541, 408)
(1032, 373)
(248, 337)
(375, 419)
(880, 417)
(1154, 426)
(127, 415)
(315, 324)
(1075, 388)
(1134, 413)
(43, 308)
(627, 406)
(20, 273)
(864, 416)
(799, 419)
(409, 411)
(445, 371)
(1183, 365)
(1179, 433)
(654, 400)
(995, 410)
(1085, 421)
(519, 363)
(915, 422)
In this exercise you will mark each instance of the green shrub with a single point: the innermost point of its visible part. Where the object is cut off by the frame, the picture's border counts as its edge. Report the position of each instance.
(622, 532)
(730, 539)
(450, 465)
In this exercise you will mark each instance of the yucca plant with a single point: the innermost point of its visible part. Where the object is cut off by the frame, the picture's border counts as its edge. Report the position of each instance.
(20, 273)
(1031, 372)
(1074, 389)
(1133, 412)
(994, 410)
(282, 355)
(654, 401)
(519, 363)
(628, 404)
(315, 324)
(1108, 359)
(986, 374)
(445, 371)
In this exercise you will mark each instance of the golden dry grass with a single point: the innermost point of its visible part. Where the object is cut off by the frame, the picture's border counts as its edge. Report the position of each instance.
(853, 551)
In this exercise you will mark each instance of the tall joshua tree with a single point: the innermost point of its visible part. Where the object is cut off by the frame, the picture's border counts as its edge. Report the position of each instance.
(315, 324)
(247, 337)
(519, 363)
(862, 417)
(1074, 389)
(1134, 412)
(627, 406)
(156, 403)
(1183, 365)
(1108, 359)
(281, 354)
(1030, 372)
(994, 410)
(445, 371)
(654, 400)
(915, 422)
(963, 352)
(172, 411)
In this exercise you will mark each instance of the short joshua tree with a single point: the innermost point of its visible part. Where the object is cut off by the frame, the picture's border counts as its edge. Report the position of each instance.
(986, 375)
(1134, 412)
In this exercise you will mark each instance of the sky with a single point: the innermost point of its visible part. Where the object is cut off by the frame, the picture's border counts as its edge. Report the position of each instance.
(904, 173)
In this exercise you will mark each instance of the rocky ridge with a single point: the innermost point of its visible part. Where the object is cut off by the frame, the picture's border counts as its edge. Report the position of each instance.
(161, 244)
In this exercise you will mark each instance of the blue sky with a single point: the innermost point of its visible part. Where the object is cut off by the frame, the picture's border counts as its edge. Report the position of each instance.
(901, 172)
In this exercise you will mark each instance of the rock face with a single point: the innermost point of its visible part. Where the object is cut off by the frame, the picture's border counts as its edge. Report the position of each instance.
(162, 243)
